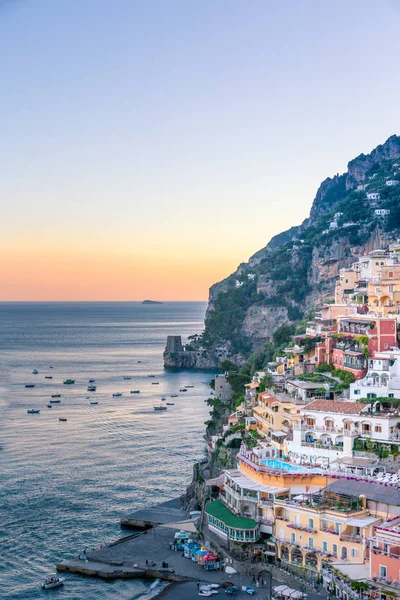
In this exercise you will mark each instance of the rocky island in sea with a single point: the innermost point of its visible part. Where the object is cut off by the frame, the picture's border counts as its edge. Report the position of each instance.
(151, 302)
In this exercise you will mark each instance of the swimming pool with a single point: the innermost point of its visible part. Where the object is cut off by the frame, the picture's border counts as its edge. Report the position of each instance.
(280, 465)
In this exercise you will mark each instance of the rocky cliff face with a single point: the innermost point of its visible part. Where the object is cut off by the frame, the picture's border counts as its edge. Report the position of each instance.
(298, 268)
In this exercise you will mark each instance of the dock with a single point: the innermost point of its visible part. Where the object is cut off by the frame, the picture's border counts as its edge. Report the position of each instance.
(158, 514)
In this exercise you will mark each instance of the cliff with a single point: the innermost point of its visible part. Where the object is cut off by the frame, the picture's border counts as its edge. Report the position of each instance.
(297, 269)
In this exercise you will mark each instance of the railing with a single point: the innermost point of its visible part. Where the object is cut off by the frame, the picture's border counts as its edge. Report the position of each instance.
(351, 538)
(266, 503)
(383, 553)
(328, 530)
(264, 521)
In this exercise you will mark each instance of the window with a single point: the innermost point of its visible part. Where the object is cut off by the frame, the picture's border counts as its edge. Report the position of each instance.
(354, 553)
(337, 527)
(296, 519)
(325, 546)
(311, 542)
(391, 395)
(334, 549)
(282, 534)
(391, 275)
(391, 288)
(293, 538)
(386, 548)
(382, 571)
(356, 392)
(311, 523)
(378, 428)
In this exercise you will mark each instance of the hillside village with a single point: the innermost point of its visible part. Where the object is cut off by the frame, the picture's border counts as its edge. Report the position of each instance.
(314, 484)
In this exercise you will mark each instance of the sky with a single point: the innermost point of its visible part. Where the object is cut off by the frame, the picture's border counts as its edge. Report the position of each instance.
(149, 147)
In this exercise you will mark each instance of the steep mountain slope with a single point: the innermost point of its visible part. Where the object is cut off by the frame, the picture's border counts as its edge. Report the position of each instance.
(298, 268)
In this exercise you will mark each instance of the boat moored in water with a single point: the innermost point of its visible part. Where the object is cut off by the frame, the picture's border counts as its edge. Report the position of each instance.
(174, 395)
(33, 411)
(48, 376)
(92, 380)
(94, 402)
(170, 403)
(91, 388)
(183, 390)
(35, 372)
(126, 377)
(56, 395)
(161, 407)
(135, 391)
(155, 383)
(150, 375)
(29, 385)
(52, 582)
(62, 419)
(117, 394)
(69, 381)
(49, 406)
(55, 401)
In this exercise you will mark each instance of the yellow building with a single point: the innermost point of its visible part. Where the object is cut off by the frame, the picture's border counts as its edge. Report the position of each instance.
(384, 291)
(328, 527)
(275, 417)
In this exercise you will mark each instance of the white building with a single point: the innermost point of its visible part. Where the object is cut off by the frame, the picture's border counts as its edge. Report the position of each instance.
(333, 225)
(382, 212)
(391, 182)
(238, 283)
(373, 196)
(382, 378)
(329, 428)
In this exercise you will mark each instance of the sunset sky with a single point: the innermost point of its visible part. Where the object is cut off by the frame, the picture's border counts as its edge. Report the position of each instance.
(149, 147)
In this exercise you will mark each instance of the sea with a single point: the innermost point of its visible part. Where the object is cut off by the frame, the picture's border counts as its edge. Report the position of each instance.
(64, 485)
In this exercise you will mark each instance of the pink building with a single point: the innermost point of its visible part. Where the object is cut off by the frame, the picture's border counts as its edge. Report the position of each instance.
(385, 553)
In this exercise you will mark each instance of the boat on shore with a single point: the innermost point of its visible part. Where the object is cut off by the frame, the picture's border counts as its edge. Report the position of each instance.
(56, 395)
(161, 407)
(52, 582)
(117, 394)
(69, 381)
(29, 385)
(135, 391)
(33, 411)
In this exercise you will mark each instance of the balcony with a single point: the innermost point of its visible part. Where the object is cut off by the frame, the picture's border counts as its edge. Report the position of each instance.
(266, 503)
(351, 538)
(328, 530)
(383, 553)
(264, 521)
(302, 528)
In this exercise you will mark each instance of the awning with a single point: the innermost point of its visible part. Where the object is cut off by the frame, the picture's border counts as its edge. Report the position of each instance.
(361, 521)
(279, 433)
(217, 481)
(248, 484)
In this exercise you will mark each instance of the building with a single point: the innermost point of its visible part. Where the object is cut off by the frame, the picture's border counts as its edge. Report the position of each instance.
(304, 390)
(330, 526)
(381, 333)
(344, 286)
(382, 378)
(381, 212)
(373, 196)
(384, 291)
(224, 523)
(385, 555)
(392, 182)
(275, 415)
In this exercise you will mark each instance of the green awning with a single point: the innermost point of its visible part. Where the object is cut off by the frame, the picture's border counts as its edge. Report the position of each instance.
(219, 511)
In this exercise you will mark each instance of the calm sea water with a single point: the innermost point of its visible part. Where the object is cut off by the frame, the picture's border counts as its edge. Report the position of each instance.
(65, 485)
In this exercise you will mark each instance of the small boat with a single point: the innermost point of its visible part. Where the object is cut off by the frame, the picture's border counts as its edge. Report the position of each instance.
(150, 375)
(127, 377)
(135, 391)
(155, 383)
(161, 407)
(117, 395)
(94, 402)
(55, 401)
(56, 395)
(51, 367)
(189, 386)
(29, 385)
(91, 388)
(163, 398)
(139, 361)
(52, 582)
(69, 381)
(48, 376)
(35, 372)
(183, 390)
(170, 403)
(62, 419)
(174, 395)
(49, 406)
(92, 380)
(33, 411)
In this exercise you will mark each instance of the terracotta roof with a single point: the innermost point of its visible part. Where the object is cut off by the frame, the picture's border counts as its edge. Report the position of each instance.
(266, 396)
(353, 408)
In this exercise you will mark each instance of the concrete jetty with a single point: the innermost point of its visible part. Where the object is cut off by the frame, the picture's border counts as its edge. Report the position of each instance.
(159, 514)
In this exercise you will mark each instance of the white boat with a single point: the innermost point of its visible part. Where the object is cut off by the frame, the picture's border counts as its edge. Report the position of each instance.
(117, 395)
(33, 411)
(52, 582)
(161, 407)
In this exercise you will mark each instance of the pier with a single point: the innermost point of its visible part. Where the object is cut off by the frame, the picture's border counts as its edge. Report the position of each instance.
(159, 514)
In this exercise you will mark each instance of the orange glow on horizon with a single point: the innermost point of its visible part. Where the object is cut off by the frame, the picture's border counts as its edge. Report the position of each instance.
(72, 276)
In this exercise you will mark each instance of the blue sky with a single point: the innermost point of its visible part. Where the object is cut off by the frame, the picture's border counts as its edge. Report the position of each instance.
(175, 138)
